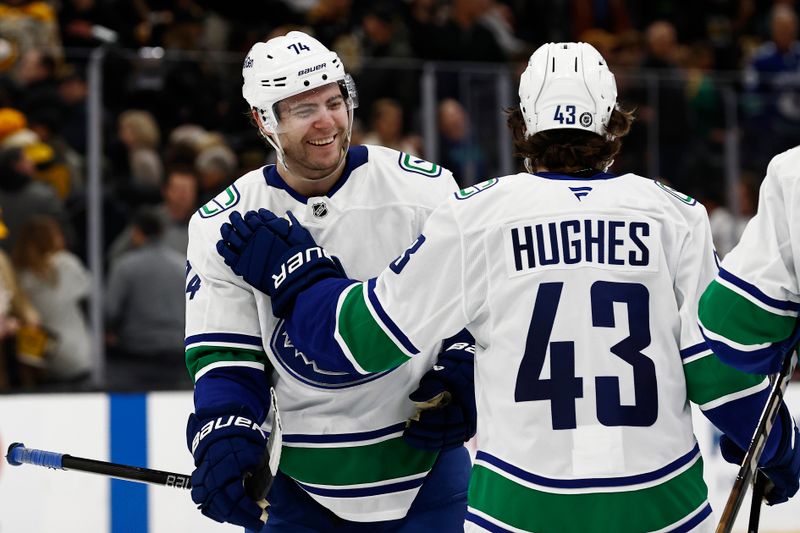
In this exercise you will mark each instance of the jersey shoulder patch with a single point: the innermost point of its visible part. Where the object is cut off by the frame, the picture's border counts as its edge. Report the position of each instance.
(688, 200)
(410, 163)
(468, 192)
(221, 202)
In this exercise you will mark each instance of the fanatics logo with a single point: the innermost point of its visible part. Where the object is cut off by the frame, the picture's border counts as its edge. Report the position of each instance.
(319, 209)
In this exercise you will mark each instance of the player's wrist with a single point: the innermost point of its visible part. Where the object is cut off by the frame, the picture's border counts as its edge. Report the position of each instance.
(300, 268)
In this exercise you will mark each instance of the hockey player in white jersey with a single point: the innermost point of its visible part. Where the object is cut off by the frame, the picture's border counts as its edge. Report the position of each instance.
(338, 470)
(581, 289)
(749, 313)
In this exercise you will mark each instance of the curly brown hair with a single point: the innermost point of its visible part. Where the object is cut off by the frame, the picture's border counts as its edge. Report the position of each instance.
(569, 149)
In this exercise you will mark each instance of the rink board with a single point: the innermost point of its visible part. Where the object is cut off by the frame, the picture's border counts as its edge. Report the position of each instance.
(149, 430)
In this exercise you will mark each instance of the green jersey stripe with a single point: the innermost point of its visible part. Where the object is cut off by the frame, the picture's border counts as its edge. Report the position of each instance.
(355, 465)
(647, 509)
(734, 317)
(708, 379)
(371, 348)
(201, 357)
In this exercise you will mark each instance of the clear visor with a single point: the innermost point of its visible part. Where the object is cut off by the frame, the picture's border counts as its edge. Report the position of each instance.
(332, 103)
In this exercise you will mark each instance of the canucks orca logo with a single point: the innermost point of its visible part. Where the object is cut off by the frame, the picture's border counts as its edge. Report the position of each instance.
(308, 371)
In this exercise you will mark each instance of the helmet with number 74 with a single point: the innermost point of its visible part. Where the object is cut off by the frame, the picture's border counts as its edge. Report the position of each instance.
(567, 86)
(292, 82)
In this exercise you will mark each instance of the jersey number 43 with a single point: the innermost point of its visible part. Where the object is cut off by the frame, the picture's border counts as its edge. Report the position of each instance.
(563, 387)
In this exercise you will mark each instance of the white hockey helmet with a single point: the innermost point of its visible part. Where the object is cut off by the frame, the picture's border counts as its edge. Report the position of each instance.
(567, 85)
(287, 66)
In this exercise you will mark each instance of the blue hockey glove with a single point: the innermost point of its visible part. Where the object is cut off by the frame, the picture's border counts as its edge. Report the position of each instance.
(278, 258)
(783, 470)
(227, 449)
(446, 399)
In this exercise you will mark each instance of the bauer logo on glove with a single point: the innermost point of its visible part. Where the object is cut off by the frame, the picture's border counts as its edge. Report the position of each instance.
(224, 422)
(296, 261)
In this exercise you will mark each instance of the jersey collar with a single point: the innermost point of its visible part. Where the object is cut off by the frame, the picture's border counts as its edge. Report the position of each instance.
(582, 177)
(356, 156)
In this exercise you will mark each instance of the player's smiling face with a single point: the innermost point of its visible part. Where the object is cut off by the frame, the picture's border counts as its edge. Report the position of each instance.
(314, 128)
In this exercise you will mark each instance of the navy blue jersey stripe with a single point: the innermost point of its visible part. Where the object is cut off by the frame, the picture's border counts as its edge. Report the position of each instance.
(694, 350)
(344, 437)
(588, 483)
(367, 491)
(756, 293)
(237, 338)
(398, 334)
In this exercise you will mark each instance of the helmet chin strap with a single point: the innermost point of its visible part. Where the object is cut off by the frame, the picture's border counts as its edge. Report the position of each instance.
(275, 142)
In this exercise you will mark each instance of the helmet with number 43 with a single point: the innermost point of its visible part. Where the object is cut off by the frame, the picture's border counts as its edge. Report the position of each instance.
(567, 85)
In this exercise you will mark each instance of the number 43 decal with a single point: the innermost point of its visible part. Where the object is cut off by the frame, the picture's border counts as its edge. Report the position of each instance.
(564, 387)
(565, 117)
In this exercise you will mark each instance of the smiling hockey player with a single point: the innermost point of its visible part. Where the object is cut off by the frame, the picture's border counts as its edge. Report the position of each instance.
(352, 460)
(581, 290)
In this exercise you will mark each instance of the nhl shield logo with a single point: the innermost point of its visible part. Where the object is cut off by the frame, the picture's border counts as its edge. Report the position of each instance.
(319, 209)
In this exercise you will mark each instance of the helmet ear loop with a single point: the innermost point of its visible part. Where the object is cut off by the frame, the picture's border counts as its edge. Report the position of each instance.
(528, 165)
(270, 136)
(349, 138)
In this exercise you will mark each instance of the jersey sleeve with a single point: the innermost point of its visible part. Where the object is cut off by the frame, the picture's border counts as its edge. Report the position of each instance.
(419, 299)
(749, 312)
(224, 351)
(731, 399)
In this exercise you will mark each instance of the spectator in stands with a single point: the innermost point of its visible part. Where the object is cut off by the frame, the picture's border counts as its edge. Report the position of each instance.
(217, 167)
(47, 123)
(672, 112)
(30, 25)
(386, 121)
(36, 76)
(143, 172)
(383, 37)
(458, 150)
(72, 92)
(22, 197)
(462, 37)
(145, 311)
(56, 282)
(22, 339)
(772, 79)
(179, 204)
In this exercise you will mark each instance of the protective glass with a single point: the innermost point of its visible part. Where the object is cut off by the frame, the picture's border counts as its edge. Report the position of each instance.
(333, 101)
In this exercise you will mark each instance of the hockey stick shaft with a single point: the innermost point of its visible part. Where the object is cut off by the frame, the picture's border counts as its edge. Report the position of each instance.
(18, 454)
(750, 463)
(759, 487)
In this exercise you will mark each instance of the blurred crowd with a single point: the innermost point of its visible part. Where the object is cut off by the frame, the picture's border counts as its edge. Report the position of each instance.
(175, 133)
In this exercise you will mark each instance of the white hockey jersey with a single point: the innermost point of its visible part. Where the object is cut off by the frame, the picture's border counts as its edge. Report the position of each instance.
(581, 294)
(342, 432)
(750, 311)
